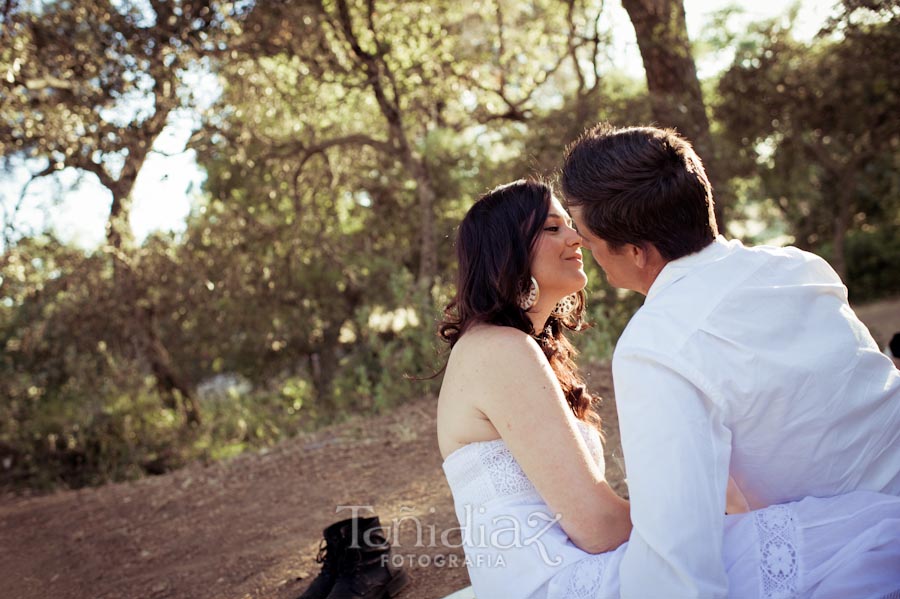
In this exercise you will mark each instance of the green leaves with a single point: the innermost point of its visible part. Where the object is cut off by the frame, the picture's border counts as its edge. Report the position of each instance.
(822, 128)
(344, 149)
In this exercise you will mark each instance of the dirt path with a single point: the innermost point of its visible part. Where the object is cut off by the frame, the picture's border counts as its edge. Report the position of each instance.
(246, 528)
(882, 318)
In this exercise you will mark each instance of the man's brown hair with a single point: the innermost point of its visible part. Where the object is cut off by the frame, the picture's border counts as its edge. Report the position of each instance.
(640, 185)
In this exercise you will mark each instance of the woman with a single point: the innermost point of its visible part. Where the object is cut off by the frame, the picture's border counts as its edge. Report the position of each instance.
(524, 459)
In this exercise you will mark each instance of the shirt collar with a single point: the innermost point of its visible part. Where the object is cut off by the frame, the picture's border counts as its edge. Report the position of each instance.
(676, 269)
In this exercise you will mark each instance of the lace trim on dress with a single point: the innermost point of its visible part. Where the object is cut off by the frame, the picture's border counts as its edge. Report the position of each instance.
(778, 565)
(586, 577)
(484, 464)
(503, 469)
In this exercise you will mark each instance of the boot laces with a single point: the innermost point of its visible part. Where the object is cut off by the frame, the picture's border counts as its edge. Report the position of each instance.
(323, 552)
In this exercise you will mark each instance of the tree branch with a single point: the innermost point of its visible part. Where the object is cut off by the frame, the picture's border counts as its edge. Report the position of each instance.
(307, 150)
(10, 215)
(501, 48)
(817, 149)
(573, 48)
(373, 65)
(92, 167)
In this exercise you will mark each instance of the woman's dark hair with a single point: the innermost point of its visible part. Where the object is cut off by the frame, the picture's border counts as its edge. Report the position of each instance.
(494, 244)
(640, 185)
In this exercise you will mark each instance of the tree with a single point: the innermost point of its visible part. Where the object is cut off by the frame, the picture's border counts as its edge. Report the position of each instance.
(675, 93)
(90, 86)
(303, 269)
(822, 128)
(415, 69)
(371, 109)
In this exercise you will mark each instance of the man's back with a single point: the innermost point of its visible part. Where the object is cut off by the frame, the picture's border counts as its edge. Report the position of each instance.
(767, 337)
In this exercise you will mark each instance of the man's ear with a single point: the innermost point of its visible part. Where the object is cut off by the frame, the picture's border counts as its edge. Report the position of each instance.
(646, 256)
(638, 255)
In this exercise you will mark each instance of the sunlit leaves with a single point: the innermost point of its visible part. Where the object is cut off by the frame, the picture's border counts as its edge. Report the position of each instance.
(823, 128)
(90, 85)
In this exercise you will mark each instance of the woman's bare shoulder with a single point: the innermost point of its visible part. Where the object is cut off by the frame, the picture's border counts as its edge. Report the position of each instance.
(491, 364)
(489, 369)
(488, 342)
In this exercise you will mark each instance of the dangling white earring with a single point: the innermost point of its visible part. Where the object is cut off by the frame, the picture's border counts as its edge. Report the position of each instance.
(565, 306)
(529, 297)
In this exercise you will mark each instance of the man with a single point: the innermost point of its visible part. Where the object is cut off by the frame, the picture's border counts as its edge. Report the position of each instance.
(746, 361)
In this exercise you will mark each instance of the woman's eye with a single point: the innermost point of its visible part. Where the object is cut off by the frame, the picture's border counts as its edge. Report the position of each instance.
(552, 229)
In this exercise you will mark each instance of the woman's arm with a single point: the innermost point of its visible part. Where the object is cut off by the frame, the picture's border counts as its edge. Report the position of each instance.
(735, 502)
(511, 382)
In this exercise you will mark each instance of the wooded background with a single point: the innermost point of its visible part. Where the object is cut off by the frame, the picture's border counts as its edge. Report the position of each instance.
(348, 139)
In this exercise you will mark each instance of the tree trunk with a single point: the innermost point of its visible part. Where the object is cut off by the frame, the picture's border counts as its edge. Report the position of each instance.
(675, 94)
(427, 241)
(841, 224)
(324, 366)
(381, 80)
(169, 381)
(118, 231)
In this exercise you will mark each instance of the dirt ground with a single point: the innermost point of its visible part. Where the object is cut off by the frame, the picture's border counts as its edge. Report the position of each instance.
(250, 527)
(882, 318)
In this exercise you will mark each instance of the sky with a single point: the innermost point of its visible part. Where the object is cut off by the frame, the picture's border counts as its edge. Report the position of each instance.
(170, 181)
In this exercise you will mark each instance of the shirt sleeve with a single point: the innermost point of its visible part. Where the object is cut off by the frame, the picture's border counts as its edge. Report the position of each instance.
(676, 456)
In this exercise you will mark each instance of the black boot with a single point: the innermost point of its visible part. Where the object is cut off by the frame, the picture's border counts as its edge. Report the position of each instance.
(335, 540)
(366, 571)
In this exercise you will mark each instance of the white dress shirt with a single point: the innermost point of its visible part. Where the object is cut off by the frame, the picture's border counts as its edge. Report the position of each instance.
(748, 361)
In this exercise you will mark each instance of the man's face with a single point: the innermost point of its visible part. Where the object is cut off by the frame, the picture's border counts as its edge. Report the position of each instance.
(618, 265)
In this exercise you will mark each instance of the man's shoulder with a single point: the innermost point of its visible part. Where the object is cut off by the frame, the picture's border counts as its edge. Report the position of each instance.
(784, 271)
(726, 287)
(788, 257)
(700, 288)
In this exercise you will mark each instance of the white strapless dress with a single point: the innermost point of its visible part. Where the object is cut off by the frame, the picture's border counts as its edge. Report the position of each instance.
(841, 547)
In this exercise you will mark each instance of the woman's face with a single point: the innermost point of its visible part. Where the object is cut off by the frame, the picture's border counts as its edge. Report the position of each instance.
(556, 262)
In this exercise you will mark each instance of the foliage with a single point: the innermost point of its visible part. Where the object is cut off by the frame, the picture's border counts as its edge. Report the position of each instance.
(608, 313)
(872, 258)
(341, 134)
(90, 85)
(347, 142)
(823, 131)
